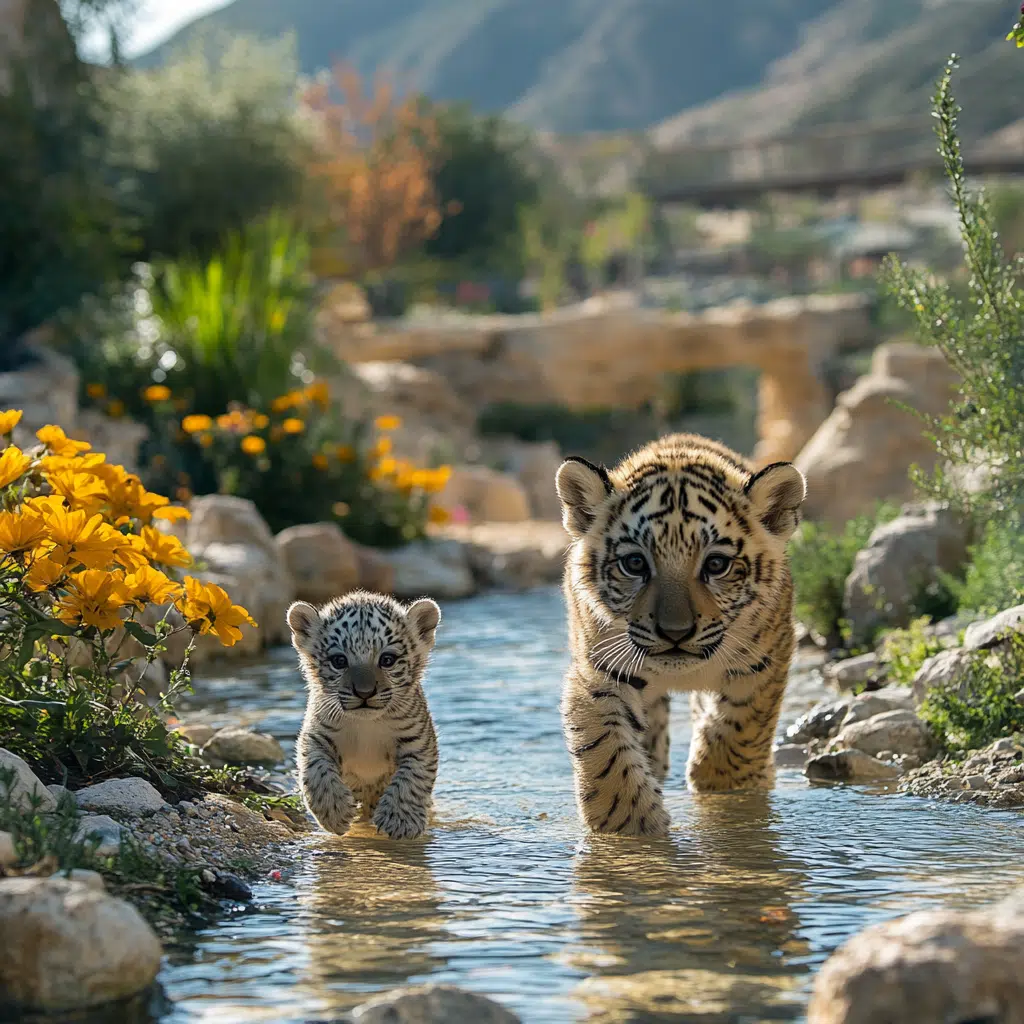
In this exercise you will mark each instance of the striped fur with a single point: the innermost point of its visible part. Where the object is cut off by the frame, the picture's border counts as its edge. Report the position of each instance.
(677, 580)
(367, 741)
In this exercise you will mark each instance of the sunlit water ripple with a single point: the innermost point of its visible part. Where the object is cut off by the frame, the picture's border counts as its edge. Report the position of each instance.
(724, 922)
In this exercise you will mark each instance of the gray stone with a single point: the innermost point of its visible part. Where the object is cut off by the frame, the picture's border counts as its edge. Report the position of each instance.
(103, 828)
(820, 723)
(899, 731)
(76, 947)
(434, 568)
(931, 967)
(851, 672)
(59, 792)
(849, 766)
(25, 784)
(235, 745)
(197, 734)
(432, 1004)
(322, 561)
(901, 558)
(877, 702)
(942, 671)
(93, 879)
(976, 782)
(988, 632)
(1003, 746)
(129, 797)
(8, 854)
(790, 755)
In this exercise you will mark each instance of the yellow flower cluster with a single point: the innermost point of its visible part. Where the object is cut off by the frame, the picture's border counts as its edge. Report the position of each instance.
(78, 532)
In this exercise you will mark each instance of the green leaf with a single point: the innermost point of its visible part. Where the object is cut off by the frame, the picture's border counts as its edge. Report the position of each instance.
(54, 627)
(142, 635)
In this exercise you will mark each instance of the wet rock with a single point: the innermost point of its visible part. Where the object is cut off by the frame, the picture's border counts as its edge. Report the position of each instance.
(942, 671)
(235, 745)
(849, 766)
(103, 828)
(438, 569)
(8, 854)
(229, 887)
(132, 798)
(900, 560)
(989, 632)
(820, 723)
(196, 733)
(487, 495)
(899, 731)
(930, 967)
(432, 1004)
(877, 702)
(851, 672)
(976, 782)
(790, 755)
(322, 561)
(25, 785)
(77, 946)
(513, 556)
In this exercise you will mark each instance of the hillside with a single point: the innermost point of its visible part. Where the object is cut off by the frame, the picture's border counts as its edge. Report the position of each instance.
(733, 67)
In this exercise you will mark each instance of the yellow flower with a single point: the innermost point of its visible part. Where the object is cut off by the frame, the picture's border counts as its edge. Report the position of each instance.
(284, 402)
(382, 447)
(439, 479)
(277, 320)
(157, 393)
(78, 537)
(115, 408)
(150, 586)
(387, 422)
(164, 548)
(320, 461)
(207, 607)
(383, 469)
(319, 393)
(43, 574)
(345, 453)
(172, 513)
(95, 390)
(195, 423)
(260, 421)
(59, 443)
(9, 420)
(253, 445)
(12, 465)
(80, 490)
(21, 530)
(94, 599)
(206, 440)
(93, 463)
(438, 515)
(293, 426)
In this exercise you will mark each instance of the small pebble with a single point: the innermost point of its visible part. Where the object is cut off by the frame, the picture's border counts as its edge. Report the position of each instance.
(208, 876)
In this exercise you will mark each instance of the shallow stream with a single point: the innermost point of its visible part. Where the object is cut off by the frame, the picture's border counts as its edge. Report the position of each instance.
(724, 922)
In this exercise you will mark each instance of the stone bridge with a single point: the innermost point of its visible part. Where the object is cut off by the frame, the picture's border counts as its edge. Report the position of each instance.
(591, 356)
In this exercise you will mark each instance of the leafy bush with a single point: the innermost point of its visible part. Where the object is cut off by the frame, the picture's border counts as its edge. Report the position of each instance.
(82, 567)
(821, 559)
(906, 650)
(983, 706)
(205, 148)
(995, 572)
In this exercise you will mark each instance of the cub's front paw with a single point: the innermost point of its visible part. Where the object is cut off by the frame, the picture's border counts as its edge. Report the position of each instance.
(397, 822)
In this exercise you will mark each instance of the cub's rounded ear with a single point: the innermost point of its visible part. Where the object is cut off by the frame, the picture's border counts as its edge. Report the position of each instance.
(302, 621)
(581, 487)
(776, 494)
(423, 616)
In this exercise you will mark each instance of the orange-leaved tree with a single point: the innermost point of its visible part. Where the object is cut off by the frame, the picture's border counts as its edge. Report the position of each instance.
(373, 167)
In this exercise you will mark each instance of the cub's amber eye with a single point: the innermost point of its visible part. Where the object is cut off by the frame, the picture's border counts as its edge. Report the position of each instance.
(717, 565)
(633, 565)
(338, 661)
(387, 659)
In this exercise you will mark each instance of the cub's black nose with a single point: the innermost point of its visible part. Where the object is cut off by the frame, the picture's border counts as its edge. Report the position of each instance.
(364, 681)
(676, 634)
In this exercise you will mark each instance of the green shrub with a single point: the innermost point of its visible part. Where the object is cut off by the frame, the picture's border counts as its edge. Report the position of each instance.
(982, 707)
(906, 650)
(995, 572)
(821, 559)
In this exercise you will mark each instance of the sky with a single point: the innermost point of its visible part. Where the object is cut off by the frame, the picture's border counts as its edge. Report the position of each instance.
(155, 20)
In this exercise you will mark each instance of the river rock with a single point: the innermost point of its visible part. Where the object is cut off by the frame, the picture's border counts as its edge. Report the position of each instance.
(131, 798)
(321, 560)
(989, 632)
(76, 946)
(849, 766)
(851, 672)
(900, 560)
(790, 755)
(432, 1004)
(8, 854)
(102, 829)
(931, 967)
(820, 723)
(899, 731)
(196, 733)
(235, 745)
(513, 556)
(877, 702)
(487, 495)
(431, 568)
(943, 671)
(375, 571)
(25, 784)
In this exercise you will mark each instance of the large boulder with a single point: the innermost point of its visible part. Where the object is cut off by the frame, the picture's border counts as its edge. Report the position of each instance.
(901, 559)
(931, 967)
(862, 453)
(487, 495)
(236, 745)
(130, 798)
(432, 1004)
(991, 632)
(431, 568)
(76, 946)
(321, 560)
(45, 389)
(899, 731)
(25, 787)
(534, 465)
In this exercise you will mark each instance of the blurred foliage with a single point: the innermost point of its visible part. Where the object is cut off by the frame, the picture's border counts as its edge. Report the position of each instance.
(995, 572)
(906, 650)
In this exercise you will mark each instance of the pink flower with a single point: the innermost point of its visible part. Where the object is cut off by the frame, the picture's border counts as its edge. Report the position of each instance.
(459, 514)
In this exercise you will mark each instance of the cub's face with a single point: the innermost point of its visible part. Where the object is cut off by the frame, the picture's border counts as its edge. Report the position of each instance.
(363, 654)
(677, 562)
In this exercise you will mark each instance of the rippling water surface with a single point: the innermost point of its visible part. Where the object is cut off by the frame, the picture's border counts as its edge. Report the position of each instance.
(724, 922)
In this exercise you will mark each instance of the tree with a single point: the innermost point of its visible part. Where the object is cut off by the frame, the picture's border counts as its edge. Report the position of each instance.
(372, 171)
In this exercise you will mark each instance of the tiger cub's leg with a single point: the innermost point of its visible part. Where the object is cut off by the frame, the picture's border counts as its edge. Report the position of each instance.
(605, 728)
(656, 737)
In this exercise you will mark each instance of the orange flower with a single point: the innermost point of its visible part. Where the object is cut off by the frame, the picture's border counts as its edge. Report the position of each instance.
(382, 447)
(21, 530)
(59, 443)
(150, 586)
(9, 420)
(253, 445)
(293, 426)
(157, 393)
(164, 548)
(43, 573)
(94, 599)
(207, 608)
(284, 402)
(206, 440)
(260, 421)
(345, 453)
(195, 423)
(319, 393)
(438, 515)
(115, 408)
(12, 465)
(95, 390)
(320, 461)
(78, 537)
(80, 490)
(387, 422)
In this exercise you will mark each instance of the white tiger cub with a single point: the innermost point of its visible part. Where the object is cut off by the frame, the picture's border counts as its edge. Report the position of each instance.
(367, 738)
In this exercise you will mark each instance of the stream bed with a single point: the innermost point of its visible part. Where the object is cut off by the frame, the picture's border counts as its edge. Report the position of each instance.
(724, 922)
